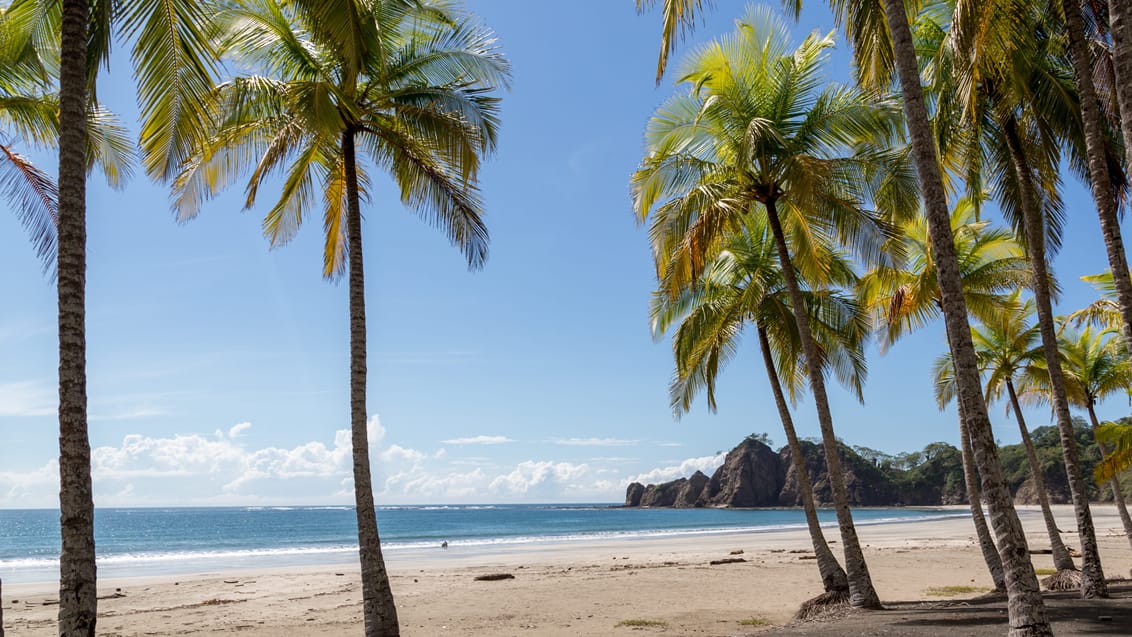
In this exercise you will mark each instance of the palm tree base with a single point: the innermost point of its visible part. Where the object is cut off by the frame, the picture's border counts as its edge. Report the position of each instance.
(827, 602)
(1063, 580)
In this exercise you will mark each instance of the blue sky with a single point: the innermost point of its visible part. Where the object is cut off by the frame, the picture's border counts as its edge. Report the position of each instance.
(218, 367)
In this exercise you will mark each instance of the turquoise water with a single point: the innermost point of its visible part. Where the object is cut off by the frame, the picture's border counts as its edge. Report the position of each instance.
(152, 541)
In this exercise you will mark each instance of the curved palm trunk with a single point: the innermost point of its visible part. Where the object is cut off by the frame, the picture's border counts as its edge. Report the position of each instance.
(1092, 575)
(1025, 609)
(833, 577)
(1114, 484)
(1094, 141)
(379, 610)
(861, 591)
(974, 499)
(1061, 558)
(78, 601)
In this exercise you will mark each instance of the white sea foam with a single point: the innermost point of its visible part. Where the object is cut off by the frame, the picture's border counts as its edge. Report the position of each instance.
(199, 558)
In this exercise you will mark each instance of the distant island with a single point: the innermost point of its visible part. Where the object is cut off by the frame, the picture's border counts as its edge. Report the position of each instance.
(754, 475)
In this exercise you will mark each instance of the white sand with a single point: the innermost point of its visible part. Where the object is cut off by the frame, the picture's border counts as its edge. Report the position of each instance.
(579, 588)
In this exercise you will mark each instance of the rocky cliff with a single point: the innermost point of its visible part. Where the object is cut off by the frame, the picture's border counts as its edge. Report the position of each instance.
(753, 475)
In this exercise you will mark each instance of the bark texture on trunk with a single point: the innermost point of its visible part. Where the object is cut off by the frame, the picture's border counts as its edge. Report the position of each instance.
(861, 591)
(833, 577)
(1120, 27)
(1, 608)
(1113, 483)
(975, 499)
(1061, 558)
(1092, 575)
(1025, 609)
(379, 610)
(1094, 138)
(78, 601)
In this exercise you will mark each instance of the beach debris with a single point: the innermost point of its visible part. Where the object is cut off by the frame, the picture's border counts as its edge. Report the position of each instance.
(736, 552)
(807, 557)
(1073, 552)
(231, 581)
(727, 560)
(801, 551)
(1063, 580)
(493, 577)
(824, 605)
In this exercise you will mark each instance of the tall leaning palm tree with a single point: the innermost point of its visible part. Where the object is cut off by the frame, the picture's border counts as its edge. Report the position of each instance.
(1007, 347)
(743, 286)
(883, 43)
(1009, 70)
(1096, 367)
(1095, 141)
(337, 91)
(753, 132)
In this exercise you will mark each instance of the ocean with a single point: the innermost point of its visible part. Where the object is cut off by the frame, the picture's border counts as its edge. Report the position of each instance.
(159, 541)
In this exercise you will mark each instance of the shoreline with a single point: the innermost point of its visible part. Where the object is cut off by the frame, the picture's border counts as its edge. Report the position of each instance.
(189, 563)
(575, 588)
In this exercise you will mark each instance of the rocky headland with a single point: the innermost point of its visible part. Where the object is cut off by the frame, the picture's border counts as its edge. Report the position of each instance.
(754, 475)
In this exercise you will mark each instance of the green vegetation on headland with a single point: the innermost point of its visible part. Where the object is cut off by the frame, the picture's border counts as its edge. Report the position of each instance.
(754, 475)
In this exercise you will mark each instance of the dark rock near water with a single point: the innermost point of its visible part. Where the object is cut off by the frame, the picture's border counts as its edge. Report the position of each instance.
(633, 494)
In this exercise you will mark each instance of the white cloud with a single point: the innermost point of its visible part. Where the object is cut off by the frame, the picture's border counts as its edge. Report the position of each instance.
(534, 478)
(224, 469)
(478, 440)
(28, 398)
(238, 430)
(594, 442)
(707, 464)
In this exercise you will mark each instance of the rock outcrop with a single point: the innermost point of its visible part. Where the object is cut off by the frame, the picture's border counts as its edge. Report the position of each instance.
(633, 494)
(753, 475)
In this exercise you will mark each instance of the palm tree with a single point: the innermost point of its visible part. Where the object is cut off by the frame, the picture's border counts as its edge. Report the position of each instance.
(905, 298)
(1096, 367)
(1006, 88)
(1007, 346)
(1105, 311)
(1119, 436)
(171, 54)
(882, 42)
(743, 285)
(755, 135)
(1094, 134)
(407, 89)
(875, 51)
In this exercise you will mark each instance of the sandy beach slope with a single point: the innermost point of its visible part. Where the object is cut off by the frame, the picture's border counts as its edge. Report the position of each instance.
(582, 588)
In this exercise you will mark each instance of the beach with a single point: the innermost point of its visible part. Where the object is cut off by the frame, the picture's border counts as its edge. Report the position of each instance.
(596, 587)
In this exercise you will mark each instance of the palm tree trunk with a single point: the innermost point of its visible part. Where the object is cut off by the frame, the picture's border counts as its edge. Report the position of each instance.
(861, 591)
(1, 608)
(1092, 575)
(832, 575)
(1025, 609)
(78, 599)
(1120, 28)
(974, 500)
(1061, 558)
(1094, 141)
(379, 610)
(1113, 483)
